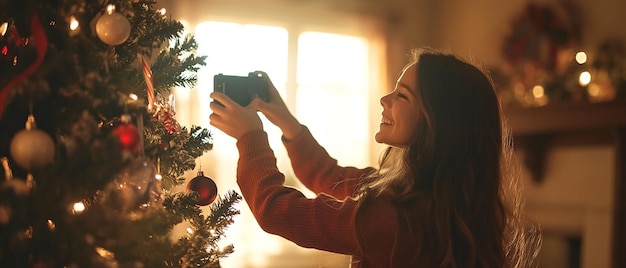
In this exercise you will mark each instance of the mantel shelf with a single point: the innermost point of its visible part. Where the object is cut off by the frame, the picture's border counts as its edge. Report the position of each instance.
(566, 117)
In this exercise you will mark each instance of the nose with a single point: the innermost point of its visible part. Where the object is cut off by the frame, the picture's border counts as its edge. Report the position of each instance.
(384, 100)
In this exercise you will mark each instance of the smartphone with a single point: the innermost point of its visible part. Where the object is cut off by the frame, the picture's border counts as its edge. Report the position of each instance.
(241, 89)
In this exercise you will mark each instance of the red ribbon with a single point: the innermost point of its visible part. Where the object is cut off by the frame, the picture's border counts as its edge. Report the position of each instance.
(41, 46)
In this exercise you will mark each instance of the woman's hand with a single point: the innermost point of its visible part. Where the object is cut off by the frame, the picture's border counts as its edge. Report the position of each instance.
(276, 110)
(233, 119)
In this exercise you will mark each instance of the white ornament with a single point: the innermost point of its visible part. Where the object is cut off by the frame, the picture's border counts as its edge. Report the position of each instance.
(136, 188)
(113, 29)
(32, 148)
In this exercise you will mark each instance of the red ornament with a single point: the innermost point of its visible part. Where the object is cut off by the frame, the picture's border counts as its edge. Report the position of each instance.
(205, 187)
(128, 136)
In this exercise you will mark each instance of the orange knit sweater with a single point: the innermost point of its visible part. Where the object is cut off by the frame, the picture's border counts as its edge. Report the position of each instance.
(330, 221)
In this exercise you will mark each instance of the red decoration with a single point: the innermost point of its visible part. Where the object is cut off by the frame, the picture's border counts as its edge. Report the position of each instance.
(164, 113)
(128, 136)
(205, 187)
(41, 42)
(539, 33)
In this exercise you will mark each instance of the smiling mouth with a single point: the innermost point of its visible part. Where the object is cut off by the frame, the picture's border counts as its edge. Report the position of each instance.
(386, 122)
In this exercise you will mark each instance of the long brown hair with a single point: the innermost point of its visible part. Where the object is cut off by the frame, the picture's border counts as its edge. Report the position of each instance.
(449, 183)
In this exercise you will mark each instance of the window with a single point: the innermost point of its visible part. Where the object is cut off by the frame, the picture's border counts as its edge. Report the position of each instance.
(328, 79)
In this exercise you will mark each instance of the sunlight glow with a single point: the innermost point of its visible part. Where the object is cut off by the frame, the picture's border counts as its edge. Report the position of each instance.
(333, 74)
(237, 49)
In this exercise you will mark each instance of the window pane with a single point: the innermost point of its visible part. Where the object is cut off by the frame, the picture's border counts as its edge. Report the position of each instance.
(333, 93)
(237, 49)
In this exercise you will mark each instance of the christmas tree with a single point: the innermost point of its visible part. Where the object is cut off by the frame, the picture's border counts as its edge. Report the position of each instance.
(89, 145)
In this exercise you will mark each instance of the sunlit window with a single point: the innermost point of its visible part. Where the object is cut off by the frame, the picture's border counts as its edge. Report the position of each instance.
(332, 96)
(324, 78)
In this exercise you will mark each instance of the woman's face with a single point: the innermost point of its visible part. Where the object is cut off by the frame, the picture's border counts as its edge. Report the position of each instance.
(401, 111)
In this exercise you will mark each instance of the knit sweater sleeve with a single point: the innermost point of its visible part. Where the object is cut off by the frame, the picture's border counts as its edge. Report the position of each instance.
(324, 222)
(318, 171)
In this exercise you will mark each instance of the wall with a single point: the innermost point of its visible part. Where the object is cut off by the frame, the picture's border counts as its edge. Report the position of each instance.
(477, 27)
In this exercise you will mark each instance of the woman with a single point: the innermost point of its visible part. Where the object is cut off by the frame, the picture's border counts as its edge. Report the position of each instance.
(438, 197)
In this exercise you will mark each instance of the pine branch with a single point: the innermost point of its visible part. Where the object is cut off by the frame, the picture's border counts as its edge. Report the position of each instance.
(178, 65)
(202, 247)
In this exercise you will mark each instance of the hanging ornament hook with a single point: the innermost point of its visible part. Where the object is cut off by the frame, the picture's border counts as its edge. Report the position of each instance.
(8, 174)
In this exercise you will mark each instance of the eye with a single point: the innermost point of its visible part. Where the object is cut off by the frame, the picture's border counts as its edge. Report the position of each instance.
(402, 96)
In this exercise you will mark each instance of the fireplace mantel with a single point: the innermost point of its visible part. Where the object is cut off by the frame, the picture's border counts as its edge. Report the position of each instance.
(566, 117)
(532, 128)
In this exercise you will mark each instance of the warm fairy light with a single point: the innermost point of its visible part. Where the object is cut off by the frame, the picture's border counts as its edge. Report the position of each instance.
(581, 57)
(28, 233)
(158, 177)
(78, 207)
(162, 11)
(584, 78)
(104, 253)
(3, 28)
(51, 225)
(73, 23)
(189, 230)
(133, 97)
(538, 92)
(593, 90)
(110, 9)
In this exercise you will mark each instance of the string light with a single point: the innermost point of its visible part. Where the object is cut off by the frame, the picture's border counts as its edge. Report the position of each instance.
(581, 57)
(110, 9)
(51, 225)
(105, 253)
(594, 90)
(28, 233)
(73, 23)
(78, 207)
(584, 78)
(538, 91)
(162, 11)
(3, 28)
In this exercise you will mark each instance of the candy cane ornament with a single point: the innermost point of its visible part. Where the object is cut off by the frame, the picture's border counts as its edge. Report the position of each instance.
(147, 75)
